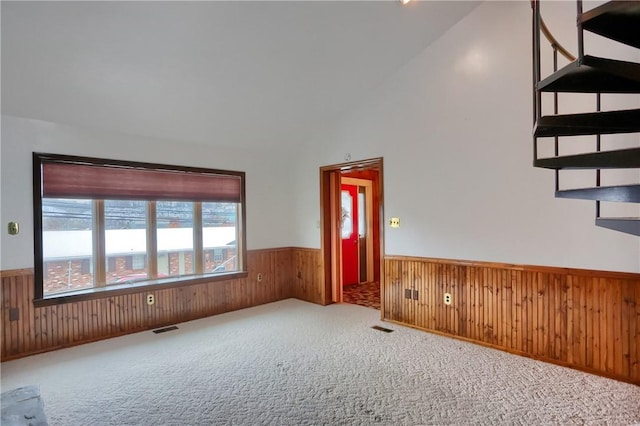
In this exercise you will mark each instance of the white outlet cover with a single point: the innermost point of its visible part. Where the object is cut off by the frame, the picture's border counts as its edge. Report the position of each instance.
(448, 299)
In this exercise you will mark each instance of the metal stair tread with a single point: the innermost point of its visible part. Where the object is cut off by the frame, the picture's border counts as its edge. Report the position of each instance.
(591, 74)
(616, 20)
(592, 123)
(614, 159)
(628, 225)
(616, 193)
(619, 218)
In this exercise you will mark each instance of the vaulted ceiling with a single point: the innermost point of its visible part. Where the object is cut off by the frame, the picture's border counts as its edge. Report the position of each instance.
(248, 73)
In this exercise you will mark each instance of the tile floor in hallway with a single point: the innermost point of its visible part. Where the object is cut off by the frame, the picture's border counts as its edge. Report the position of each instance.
(364, 294)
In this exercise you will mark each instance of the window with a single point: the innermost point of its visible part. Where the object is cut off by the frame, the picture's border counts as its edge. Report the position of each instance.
(66, 244)
(138, 262)
(125, 236)
(219, 221)
(111, 264)
(175, 224)
(86, 266)
(107, 224)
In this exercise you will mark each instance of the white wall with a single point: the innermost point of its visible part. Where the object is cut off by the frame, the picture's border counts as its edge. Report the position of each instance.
(454, 127)
(269, 206)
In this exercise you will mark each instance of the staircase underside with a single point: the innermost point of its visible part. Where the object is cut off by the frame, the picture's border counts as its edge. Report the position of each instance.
(620, 159)
(591, 74)
(593, 123)
(628, 225)
(619, 193)
(617, 20)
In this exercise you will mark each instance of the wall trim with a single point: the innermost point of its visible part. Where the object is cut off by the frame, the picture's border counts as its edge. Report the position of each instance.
(520, 267)
(16, 272)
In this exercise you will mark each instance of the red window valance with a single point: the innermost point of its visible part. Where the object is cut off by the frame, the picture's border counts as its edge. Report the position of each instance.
(102, 179)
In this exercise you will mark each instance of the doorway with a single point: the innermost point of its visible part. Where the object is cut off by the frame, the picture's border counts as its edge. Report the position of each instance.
(352, 232)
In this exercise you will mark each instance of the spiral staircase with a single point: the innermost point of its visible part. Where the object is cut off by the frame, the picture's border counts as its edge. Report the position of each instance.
(618, 21)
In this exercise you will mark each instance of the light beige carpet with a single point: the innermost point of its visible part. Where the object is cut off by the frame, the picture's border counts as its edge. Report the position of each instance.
(295, 363)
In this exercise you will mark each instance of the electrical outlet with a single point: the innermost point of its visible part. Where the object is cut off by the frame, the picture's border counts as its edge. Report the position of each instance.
(259, 277)
(151, 299)
(407, 293)
(448, 299)
(14, 314)
(415, 294)
(394, 222)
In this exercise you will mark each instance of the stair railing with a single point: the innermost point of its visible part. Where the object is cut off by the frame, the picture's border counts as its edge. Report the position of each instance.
(613, 20)
(540, 27)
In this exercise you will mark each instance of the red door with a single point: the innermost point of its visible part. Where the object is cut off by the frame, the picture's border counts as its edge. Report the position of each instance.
(350, 268)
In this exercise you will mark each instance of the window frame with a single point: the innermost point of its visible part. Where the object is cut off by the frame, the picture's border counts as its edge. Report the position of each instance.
(100, 258)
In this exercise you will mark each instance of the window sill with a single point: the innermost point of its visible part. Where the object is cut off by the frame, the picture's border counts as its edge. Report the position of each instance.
(131, 288)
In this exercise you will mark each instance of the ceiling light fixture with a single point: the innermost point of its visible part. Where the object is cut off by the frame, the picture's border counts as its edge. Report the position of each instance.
(404, 2)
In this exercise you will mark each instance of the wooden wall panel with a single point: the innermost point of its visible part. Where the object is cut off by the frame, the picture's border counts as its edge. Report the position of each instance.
(308, 276)
(588, 320)
(51, 327)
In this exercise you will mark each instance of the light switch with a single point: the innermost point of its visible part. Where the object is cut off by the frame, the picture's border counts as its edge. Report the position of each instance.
(14, 228)
(394, 222)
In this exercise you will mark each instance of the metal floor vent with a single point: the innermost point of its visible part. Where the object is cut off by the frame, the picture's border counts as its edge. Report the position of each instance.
(163, 330)
(386, 330)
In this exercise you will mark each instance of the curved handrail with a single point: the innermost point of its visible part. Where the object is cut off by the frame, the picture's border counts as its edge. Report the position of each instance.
(554, 42)
(547, 33)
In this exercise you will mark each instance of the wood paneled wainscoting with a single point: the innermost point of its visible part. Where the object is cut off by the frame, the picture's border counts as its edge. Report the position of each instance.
(52, 327)
(308, 276)
(588, 320)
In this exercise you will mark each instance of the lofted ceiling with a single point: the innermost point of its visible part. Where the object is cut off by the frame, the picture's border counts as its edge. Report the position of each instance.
(246, 73)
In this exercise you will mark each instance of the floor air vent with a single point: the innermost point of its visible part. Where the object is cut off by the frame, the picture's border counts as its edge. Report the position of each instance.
(386, 330)
(164, 330)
